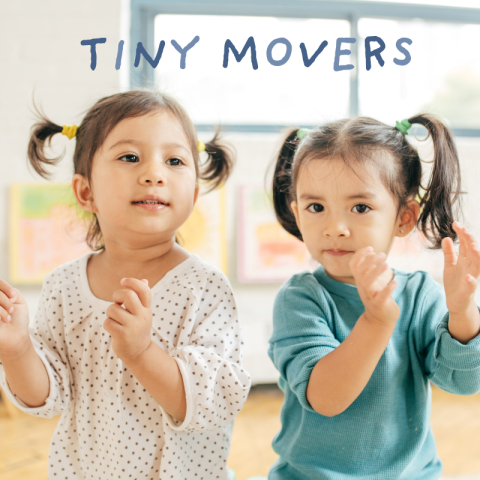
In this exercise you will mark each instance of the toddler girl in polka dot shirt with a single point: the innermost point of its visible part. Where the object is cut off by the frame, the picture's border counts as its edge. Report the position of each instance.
(137, 344)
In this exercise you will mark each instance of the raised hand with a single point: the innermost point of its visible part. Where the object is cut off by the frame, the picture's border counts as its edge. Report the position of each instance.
(368, 269)
(461, 272)
(130, 326)
(14, 335)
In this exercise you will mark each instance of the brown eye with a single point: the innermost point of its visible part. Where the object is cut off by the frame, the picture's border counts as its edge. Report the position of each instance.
(316, 208)
(130, 158)
(176, 162)
(361, 208)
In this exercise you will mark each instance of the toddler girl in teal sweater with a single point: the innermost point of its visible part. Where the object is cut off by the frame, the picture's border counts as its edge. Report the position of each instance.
(357, 342)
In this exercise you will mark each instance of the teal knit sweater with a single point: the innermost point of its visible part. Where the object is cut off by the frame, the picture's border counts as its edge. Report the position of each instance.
(385, 433)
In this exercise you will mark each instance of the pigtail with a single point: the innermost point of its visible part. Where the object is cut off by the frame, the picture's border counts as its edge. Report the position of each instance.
(219, 164)
(40, 135)
(282, 183)
(443, 189)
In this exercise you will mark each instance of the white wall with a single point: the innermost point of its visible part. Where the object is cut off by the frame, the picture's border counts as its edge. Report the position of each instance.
(42, 56)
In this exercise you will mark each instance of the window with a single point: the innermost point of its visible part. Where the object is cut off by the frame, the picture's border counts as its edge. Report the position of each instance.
(304, 96)
(309, 96)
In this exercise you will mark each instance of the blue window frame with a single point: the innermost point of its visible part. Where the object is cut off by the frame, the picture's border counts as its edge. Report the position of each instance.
(143, 14)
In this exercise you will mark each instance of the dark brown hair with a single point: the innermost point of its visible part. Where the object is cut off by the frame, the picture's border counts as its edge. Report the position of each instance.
(100, 120)
(363, 139)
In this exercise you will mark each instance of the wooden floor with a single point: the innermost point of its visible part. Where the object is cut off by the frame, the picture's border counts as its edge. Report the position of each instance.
(24, 440)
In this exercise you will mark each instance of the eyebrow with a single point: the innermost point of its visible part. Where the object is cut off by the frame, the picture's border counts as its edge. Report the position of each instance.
(355, 196)
(136, 142)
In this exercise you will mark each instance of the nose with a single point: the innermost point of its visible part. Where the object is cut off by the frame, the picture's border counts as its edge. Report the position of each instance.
(152, 174)
(336, 227)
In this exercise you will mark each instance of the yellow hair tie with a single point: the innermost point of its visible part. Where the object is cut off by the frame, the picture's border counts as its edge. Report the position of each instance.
(201, 146)
(69, 131)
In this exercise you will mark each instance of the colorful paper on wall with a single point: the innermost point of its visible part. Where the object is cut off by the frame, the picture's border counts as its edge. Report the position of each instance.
(204, 231)
(46, 230)
(267, 253)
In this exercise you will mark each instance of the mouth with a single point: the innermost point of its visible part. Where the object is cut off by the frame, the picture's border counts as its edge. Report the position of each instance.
(151, 202)
(338, 253)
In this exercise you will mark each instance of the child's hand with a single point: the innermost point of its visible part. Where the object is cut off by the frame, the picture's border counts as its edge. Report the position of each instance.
(130, 326)
(367, 267)
(14, 336)
(460, 273)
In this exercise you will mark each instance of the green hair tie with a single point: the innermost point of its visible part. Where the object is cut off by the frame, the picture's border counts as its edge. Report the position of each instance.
(302, 133)
(403, 126)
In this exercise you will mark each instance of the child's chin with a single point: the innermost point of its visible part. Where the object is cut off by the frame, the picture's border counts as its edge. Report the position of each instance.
(341, 274)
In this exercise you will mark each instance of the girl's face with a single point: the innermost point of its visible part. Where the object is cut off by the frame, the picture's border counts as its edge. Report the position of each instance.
(340, 210)
(143, 180)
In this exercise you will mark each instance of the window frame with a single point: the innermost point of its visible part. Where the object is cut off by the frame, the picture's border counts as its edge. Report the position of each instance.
(143, 13)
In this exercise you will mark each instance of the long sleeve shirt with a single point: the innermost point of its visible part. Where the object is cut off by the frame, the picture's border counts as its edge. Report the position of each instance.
(385, 433)
(111, 427)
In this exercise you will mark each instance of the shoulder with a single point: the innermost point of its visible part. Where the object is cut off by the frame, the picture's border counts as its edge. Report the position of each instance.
(302, 286)
(202, 279)
(65, 276)
(302, 295)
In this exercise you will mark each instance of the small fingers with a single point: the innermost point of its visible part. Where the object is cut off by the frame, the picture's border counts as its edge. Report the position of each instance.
(358, 257)
(141, 288)
(4, 315)
(6, 302)
(383, 295)
(8, 290)
(449, 252)
(464, 238)
(370, 262)
(118, 314)
(373, 274)
(128, 298)
(112, 327)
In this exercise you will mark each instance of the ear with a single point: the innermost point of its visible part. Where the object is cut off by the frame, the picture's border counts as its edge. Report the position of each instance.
(83, 193)
(408, 218)
(294, 208)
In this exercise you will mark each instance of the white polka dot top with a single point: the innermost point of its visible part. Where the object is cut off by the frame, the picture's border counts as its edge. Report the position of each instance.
(111, 428)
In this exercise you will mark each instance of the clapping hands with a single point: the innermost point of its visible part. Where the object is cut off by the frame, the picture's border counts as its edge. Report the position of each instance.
(369, 271)
(461, 271)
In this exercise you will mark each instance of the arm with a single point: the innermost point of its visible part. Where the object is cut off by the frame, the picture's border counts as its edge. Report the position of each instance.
(32, 373)
(160, 375)
(130, 329)
(451, 347)
(340, 376)
(451, 365)
(27, 376)
(200, 384)
(460, 282)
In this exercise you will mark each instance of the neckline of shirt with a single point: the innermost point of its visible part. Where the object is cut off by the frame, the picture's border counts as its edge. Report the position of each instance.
(346, 290)
(85, 286)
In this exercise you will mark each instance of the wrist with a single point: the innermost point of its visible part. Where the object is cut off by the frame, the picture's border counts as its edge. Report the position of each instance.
(24, 349)
(464, 326)
(377, 323)
(471, 310)
(137, 357)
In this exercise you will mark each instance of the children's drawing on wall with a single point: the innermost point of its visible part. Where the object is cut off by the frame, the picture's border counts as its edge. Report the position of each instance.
(267, 253)
(204, 231)
(46, 230)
